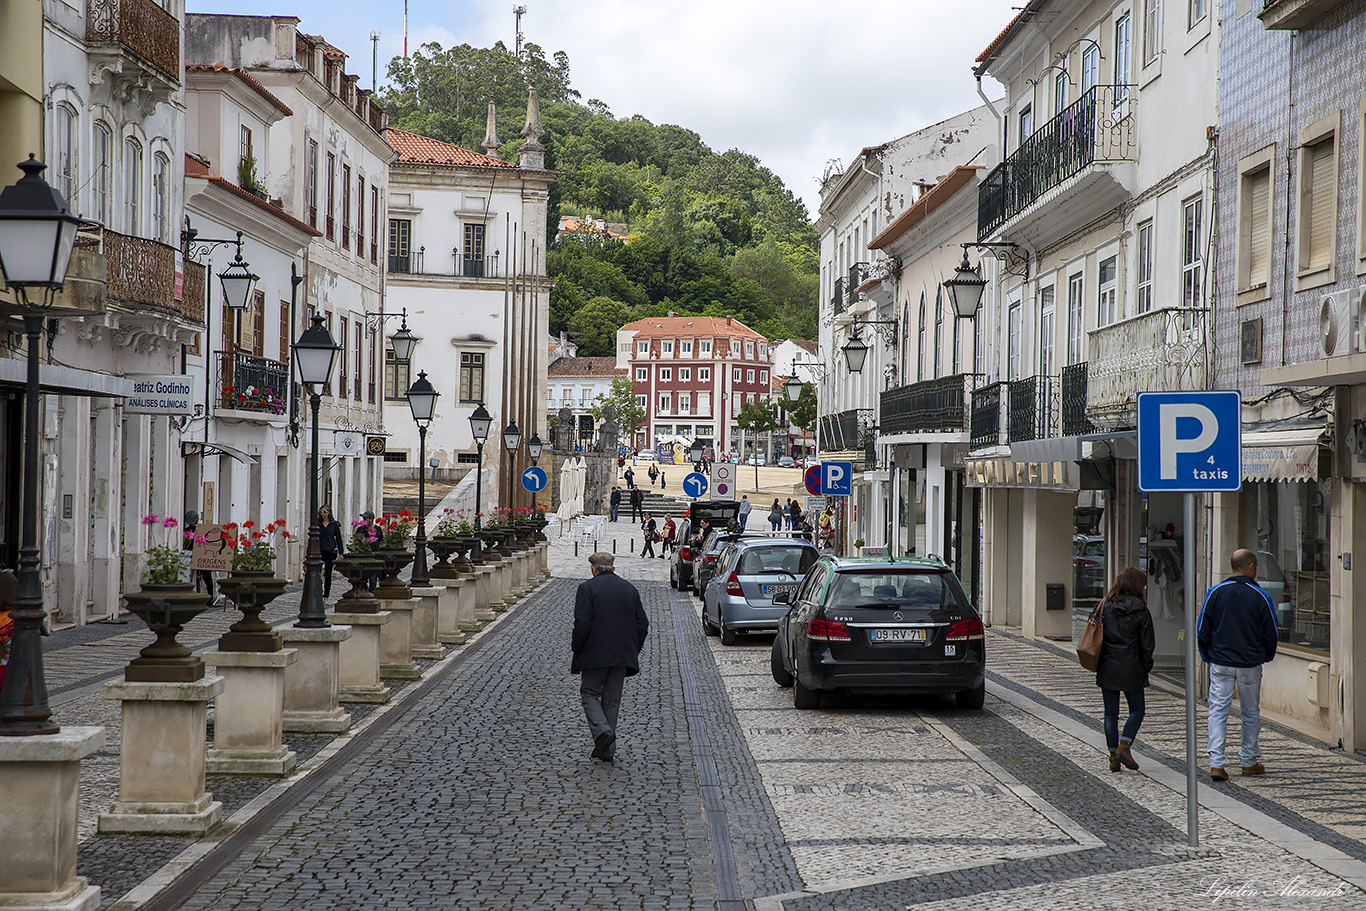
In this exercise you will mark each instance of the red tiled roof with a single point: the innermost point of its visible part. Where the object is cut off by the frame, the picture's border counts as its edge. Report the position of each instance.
(935, 197)
(586, 366)
(696, 326)
(195, 167)
(246, 77)
(424, 150)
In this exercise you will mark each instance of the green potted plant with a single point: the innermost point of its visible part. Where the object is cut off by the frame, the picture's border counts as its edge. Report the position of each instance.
(247, 177)
(442, 543)
(166, 601)
(252, 585)
(395, 531)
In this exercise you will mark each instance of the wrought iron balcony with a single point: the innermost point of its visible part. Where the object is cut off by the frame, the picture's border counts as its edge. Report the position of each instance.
(1097, 127)
(837, 300)
(933, 406)
(1074, 422)
(986, 416)
(1159, 351)
(250, 383)
(1030, 408)
(140, 26)
(142, 271)
(844, 432)
(858, 273)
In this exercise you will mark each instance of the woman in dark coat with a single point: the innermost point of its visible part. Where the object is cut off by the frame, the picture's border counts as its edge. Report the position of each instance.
(330, 543)
(1126, 657)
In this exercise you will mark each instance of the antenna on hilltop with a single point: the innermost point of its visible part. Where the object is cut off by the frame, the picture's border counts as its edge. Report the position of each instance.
(519, 11)
(374, 60)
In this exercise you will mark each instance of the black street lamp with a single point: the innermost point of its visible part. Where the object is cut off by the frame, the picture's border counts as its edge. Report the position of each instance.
(480, 424)
(316, 354)
(403, 342)
(534, 447)
(965, 288)
(793, 387)
(37, 235)
(512, 441)
(422, 401)
(855, 352)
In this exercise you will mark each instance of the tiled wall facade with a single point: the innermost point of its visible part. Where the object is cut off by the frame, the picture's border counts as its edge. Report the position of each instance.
(1271, 86)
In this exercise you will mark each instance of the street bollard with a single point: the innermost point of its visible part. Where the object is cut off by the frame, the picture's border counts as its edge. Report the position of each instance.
(614, 545)
(576, 547)
(595, 545)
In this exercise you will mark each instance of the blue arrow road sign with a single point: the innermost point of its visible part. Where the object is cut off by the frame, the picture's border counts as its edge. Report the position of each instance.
(837, 479)
(695, 484)
(533, 479)
(1189, 442)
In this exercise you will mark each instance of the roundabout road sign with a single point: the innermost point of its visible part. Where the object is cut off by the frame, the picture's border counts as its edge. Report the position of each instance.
(695, 484)
(533, 479)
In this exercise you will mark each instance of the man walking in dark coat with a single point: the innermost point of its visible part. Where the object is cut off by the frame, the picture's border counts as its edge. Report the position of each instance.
(637, 505)
(1236, 634)
(609, 631)
(613, 503)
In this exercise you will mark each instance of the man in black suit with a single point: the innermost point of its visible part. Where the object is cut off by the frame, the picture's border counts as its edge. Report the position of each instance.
(609, 631)
(637, 505)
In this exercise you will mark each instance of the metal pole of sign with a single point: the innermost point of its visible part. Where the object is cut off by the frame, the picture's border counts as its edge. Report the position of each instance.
(1192, 788)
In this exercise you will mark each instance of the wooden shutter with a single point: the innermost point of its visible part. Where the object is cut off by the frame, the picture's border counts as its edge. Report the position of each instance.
(1259, 227)
(1322, 189)
(286, 335)
(256, 343)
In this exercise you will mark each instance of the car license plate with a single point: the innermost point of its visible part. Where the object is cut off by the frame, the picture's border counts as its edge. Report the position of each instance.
(776, 588)
(900, 634)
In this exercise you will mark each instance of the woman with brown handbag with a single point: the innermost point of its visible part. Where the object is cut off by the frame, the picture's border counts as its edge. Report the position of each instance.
(1126, 657)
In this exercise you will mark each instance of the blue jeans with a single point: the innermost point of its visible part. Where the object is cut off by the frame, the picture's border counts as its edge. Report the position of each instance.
(1222, 681)
(1137, 709)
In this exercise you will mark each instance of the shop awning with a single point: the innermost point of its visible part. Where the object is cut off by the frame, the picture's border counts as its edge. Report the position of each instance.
(195, 447)
(1120, 444)
(1282, 455)
(59, 380)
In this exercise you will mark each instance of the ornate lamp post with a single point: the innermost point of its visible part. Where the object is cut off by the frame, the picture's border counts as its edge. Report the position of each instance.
(315, 353)
(37, 235)
(422, 398)
(480, 423)
(534, 447)
(512, 441)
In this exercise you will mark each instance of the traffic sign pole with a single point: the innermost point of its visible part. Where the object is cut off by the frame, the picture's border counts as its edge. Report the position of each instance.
(1192, 788)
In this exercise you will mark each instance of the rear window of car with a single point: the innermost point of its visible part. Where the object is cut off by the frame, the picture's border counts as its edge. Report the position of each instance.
(896, 588)
(792, 559)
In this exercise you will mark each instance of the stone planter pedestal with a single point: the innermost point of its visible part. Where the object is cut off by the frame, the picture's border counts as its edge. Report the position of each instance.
(448, 630)
(425, 642)
(311, 683)
(396, 640)
(161, 762)
(484, 587)
(39, 780)
(465, 617)
(358, 674)
(247, 717)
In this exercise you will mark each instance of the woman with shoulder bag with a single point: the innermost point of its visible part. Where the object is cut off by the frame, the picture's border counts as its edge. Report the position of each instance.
(330, 543)
(1126, 657)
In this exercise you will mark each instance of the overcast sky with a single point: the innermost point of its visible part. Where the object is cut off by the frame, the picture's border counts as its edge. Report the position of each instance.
(794, 82)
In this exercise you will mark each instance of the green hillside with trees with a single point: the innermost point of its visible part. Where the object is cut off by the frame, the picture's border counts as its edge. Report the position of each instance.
(709, 233)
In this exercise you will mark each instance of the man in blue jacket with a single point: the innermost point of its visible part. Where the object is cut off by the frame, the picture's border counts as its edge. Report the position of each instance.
(1236, 635)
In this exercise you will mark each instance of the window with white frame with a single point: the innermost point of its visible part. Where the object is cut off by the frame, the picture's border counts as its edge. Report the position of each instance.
(1192, 259)
(704, 403)
(1152, 30)
(642, 402)
(939, 331)
(666, 374)
(1075, 286)
(100, 149)
(642, 374)
(1254, 224)
(668, 347)
(763, 376)
(737, 375)
(1047, 328)
(735, 347)
(1121, 57)
(1013, 327)
(957, 340)
(1197, 10)
(1059, 92)
(920, 343)
(763, 350)
(1090, 68)
(684, 403)
(706, 347)
(132, 187)
(685, 374)
(1316, 220)
(64, 157)
(1145, 266)
(664, 400)
(161, 197)
(749, 351)
(749, 376)
(686, 347)
(642, 347)
(1026, 124)
(1107, 291)
(979, 347)
(704, 374)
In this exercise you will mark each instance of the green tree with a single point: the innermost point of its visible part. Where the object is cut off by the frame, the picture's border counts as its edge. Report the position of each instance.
(757, 417)
(594, 326)
(622, 397)
(802, 413)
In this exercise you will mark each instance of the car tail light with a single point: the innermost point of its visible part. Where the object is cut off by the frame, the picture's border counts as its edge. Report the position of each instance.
(819, 630)
(710, 558)
(964, 630)
(685, 552)
(733, 585)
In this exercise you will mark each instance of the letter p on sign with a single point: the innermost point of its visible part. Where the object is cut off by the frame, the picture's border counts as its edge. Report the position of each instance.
(1173, 444)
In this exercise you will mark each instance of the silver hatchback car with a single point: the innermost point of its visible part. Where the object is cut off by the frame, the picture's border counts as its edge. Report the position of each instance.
(749, 572)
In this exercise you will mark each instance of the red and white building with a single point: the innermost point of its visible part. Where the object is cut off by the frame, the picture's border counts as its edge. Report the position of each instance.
(691, 375)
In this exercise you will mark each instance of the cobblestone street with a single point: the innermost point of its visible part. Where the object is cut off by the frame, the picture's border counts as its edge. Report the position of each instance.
(474, 789)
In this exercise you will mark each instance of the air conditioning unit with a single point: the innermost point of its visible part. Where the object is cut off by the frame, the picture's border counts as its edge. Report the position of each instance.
(1339, 323)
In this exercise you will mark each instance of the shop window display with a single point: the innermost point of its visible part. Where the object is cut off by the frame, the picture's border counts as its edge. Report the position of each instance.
(1289, 521)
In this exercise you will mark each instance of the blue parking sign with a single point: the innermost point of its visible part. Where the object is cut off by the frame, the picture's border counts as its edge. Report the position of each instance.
(1189, 442)
(837, 479)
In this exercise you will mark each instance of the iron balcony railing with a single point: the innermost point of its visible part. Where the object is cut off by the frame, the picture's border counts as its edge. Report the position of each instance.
(1098, 126)
(142, 271)
(1074, 422)
(250, 383)
(858, 274)
(140, 26)
(837, 299)
(1030, 408)
(843, 432)
(934, 406)
(986, 416)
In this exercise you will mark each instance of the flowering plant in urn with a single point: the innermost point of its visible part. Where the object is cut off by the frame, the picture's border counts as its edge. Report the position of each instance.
(254, 549)
(397, 528)
(165, 564)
